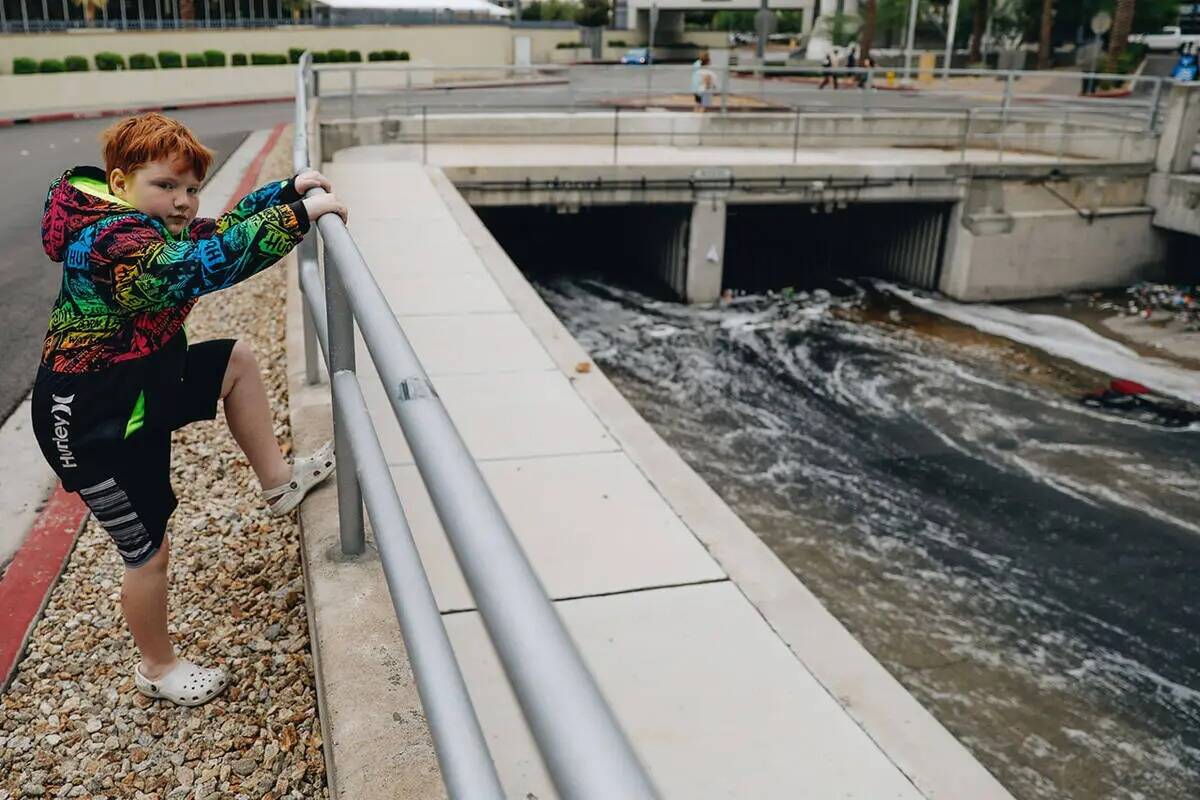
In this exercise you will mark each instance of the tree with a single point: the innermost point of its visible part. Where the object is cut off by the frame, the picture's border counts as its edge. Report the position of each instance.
(297, 8)
(978, 26)
(866, 35)
(592, 13)
(1119, 35)
(90, 7)
(1045, 41)
(187, 9)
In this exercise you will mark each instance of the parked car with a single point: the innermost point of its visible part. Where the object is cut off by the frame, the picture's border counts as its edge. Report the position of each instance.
(637, 55)
(1171, 38)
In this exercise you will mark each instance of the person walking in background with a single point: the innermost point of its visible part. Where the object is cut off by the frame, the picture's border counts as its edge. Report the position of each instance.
(866, 64)
(704, 83)
(828, 70)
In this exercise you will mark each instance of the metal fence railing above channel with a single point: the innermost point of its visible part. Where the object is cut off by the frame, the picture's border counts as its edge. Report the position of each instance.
(584, 750)
(364, 89)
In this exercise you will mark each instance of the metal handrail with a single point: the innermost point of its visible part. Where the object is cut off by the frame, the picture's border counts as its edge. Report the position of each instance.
(581, 743)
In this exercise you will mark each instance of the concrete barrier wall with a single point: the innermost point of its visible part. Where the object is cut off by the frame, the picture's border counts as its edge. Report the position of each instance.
(1050, 253)
(30, 94)
(438, 44)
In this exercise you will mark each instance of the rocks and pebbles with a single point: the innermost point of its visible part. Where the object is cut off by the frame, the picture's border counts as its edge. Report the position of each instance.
(73, 725)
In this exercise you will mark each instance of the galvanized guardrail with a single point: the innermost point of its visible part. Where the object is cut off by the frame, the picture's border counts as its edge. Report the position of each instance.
(749, 88)
(581, 743)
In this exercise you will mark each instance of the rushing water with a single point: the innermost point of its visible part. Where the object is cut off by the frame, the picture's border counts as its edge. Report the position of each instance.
(1027, 566)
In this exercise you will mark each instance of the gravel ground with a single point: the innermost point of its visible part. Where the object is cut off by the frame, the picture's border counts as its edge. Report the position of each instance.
(73, 725)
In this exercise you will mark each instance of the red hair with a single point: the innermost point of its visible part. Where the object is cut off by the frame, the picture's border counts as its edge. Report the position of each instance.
(134, 142)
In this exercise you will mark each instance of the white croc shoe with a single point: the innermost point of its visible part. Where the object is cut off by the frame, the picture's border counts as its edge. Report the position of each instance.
(307, 472)
(186, 684)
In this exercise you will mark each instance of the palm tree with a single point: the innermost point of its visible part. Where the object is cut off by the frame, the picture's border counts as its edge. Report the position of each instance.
(90, 7)
(866, 37)
(1045, 45)
(187, 9)
(1118, 37)
(978, 26)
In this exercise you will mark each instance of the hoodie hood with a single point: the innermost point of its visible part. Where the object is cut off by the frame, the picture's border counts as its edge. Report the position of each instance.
(76, 200)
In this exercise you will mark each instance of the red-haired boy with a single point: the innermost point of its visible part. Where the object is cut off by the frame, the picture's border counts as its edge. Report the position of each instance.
(118, 374)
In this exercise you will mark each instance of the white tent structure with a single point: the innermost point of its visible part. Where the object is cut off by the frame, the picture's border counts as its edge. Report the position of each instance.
(476, 7)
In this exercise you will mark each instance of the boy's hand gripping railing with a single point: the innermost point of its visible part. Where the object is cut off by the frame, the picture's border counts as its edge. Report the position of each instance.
(583, 747)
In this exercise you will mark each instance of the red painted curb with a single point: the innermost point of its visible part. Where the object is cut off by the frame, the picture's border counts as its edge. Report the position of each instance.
(26, 584)
(34, 570)
(250, 176)
(125, 112)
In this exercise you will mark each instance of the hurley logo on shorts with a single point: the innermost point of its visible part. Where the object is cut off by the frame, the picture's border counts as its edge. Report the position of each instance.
(61, 413)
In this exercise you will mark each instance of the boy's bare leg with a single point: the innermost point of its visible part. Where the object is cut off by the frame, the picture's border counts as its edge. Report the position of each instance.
(248, 413)
(144, 603)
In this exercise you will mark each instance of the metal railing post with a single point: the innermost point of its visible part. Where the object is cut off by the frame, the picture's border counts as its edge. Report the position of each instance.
(1062, 137)
(308, 248)
(1155, 104)
(353, 93)
(616, 130)
(725, 89)
(341, 359)
(312, 369)
(424, 135)
(796, 136)
(966, 137)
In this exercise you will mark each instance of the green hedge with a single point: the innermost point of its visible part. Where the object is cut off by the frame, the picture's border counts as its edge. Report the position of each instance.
(75, 64)
(264, 59)
(195, 60)
(319, 57)
(616, 43)
(294, 54)
(142, 61)
(337, 56)
(354, 57)
(24, 66)
(107, 62)
(214, 58)
(388, 55)
(238, 59)
(169, 59)
(51, 65)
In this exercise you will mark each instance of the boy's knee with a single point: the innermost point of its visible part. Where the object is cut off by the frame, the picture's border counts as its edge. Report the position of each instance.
(242, 356)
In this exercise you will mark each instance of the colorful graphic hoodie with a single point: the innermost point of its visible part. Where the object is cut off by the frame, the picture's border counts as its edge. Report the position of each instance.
(128, 284)
(115, 343)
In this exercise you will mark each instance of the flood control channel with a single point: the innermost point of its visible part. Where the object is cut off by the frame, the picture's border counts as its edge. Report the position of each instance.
(1025, 565)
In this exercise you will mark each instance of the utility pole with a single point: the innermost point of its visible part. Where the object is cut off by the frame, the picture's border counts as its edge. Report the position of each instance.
(951, 29)
(912, 34)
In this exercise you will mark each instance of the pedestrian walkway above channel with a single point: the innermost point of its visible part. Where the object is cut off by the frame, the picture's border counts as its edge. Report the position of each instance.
(729, 677)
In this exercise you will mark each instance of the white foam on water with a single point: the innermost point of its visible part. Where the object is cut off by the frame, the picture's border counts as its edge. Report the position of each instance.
(1064, 338)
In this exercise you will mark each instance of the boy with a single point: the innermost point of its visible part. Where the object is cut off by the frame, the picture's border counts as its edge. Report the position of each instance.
(118, 374)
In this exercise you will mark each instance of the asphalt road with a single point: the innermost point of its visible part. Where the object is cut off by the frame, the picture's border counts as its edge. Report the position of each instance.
(33, 156)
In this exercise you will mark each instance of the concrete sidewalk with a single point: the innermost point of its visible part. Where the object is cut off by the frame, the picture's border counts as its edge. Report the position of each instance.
(729, 677)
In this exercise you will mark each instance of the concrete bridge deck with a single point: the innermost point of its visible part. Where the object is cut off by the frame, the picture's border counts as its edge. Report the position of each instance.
(729, 676)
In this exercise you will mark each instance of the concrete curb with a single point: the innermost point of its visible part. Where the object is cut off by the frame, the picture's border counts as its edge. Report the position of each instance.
(60, 116)
(376, 740)
(929, 756)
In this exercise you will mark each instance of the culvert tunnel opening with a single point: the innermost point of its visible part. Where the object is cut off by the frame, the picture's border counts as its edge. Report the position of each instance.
(653, 247)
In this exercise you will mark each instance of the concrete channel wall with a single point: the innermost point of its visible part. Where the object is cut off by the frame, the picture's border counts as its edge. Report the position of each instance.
(1175, 186)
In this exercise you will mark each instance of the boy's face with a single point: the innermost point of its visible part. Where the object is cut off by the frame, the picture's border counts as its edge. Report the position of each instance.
(167, 189)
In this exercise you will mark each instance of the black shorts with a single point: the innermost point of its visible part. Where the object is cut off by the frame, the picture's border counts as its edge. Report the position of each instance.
(108, 435)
